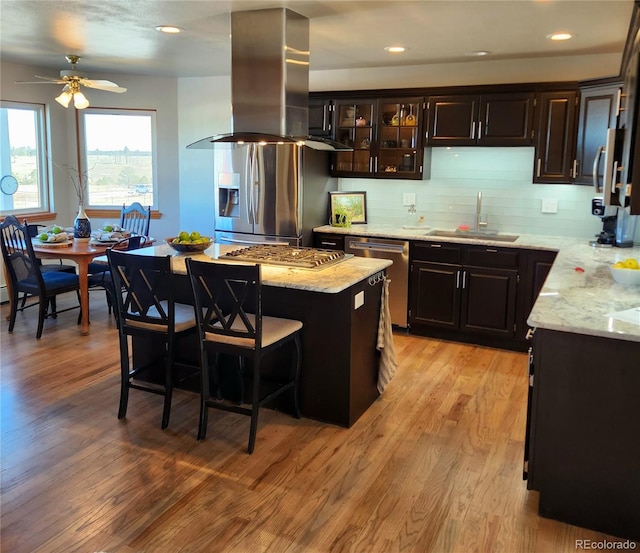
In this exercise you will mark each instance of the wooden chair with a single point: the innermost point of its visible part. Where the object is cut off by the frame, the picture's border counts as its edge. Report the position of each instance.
(228, 301)
(33, 232)
(25, 274)
(145, 307)
(102, 278)
(136, 218)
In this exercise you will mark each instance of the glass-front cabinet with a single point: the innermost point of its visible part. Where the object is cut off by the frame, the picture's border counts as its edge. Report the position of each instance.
(355, 127)
(385, 135)
(400, 141)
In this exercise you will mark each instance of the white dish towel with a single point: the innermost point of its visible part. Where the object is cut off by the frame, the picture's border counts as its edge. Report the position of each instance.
(386, 347)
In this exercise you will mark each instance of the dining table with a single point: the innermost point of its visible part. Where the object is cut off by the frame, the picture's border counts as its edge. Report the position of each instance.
(82, 253)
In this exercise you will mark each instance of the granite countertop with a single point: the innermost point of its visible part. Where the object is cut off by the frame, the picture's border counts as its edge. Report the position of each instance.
(330, 280)
(579, 294)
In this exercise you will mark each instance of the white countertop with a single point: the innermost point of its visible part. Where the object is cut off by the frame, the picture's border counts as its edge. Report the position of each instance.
(579, 293)
(332, 279)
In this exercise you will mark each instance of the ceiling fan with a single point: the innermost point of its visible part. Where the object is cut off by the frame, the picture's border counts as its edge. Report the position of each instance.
(72, 79)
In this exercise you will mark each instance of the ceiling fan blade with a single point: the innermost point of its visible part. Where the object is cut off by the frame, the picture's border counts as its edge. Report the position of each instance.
(102, 85)
(40, 82)
(57, 80)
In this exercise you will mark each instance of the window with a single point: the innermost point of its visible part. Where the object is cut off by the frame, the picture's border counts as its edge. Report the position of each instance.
(118, 156)
(23, 175)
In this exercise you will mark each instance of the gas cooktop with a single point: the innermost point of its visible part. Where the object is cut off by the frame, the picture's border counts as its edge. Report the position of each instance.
(290, 256)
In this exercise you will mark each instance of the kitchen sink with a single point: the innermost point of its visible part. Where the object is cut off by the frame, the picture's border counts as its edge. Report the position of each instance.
(475, 235)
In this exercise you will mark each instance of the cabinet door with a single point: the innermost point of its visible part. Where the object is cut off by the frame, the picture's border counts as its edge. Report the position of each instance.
(399, 140)
(489, 300)
(598, 112)
(506, 119)
(320, 117)
(452, 120)
(435, 294)
(354, 124)
(555, 142)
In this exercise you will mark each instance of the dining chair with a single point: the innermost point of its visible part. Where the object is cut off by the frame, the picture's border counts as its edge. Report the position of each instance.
(136, 218)
(26, 276)
(133, 218)
(101, 278)
(145, 307)
(228, 309)
(33, 231)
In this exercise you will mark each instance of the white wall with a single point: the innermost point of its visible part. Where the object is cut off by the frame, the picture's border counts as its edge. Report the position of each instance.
(150, 93)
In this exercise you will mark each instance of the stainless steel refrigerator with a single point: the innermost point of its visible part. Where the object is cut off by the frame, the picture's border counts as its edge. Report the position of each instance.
(272, 193)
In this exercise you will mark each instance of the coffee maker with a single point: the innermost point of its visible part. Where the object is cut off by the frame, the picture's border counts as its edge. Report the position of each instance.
(618, 225)
(608, 214)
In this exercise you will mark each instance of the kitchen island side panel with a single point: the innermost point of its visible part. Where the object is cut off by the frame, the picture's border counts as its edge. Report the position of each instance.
(585, 448)
(339, 358)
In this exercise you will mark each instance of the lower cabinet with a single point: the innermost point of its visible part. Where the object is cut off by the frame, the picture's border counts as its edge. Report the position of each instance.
(582, 448)
(469, 290)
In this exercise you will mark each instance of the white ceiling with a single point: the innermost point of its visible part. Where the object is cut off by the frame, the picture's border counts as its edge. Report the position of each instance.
(119, 36)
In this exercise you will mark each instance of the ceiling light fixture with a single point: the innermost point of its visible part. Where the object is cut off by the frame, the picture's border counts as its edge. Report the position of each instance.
(169, 29)
(395, 49)
(478, 53)
(70, 92)
(560, 36)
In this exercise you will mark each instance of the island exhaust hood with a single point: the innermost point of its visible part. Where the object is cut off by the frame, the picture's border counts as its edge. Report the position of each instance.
(270, 81)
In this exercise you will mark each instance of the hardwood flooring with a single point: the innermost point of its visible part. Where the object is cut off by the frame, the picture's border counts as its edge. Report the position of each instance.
(434, 466)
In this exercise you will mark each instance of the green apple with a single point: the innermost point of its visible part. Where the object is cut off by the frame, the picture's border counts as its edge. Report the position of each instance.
(108, 228)
(55, 229)
(43, 237)
(184, 235)
(195, 235)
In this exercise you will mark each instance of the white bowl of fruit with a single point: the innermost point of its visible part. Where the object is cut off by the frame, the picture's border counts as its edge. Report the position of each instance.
(189, 242)
(626, 272)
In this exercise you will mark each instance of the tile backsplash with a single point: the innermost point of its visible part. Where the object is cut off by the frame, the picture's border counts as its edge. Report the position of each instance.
(510, 201)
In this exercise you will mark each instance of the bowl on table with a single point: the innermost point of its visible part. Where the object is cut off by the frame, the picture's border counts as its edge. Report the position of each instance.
(188, 247)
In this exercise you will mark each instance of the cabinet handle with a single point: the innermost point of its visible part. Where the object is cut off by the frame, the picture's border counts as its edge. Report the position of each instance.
(370, 165)
(538, 168)
(491, 250)
(620, 96)
(435, 245)
(479, 130)
(575, 169)
(464, 279)
(473, 130)
(457, 279)
(324, 243)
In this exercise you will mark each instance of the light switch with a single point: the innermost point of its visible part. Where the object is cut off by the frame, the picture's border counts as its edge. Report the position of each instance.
(549, 205)
(358, 300)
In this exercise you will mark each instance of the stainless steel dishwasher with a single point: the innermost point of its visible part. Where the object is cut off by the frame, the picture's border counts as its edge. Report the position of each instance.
(398, 252)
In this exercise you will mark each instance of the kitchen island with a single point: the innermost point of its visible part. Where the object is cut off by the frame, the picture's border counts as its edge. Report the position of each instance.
(339, 306)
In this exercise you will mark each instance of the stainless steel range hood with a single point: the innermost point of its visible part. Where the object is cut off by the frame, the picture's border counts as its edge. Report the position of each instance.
(270, 81)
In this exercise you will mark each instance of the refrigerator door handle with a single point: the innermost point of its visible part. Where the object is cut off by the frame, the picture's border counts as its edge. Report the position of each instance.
(248, 180)
(257, 182)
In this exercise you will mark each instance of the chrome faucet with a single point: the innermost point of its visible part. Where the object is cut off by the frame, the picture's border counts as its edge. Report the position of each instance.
(479, 222)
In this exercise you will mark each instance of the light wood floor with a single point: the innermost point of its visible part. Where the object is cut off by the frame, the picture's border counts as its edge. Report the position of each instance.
(434, 465)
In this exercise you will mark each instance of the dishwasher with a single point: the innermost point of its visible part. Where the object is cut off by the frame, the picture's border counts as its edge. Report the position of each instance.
(396, 251)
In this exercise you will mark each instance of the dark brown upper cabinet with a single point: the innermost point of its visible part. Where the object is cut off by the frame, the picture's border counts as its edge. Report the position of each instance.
(555, 137)
(386, 136)
(599, 106)
(500, 119)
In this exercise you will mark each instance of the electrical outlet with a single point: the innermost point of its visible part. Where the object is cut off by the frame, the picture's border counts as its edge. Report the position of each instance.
(549, 205)
(409, 198)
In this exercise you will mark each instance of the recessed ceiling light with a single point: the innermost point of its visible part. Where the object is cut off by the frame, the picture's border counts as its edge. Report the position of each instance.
(560, 36)
(169, 29)
(395, 49)
(478, 53)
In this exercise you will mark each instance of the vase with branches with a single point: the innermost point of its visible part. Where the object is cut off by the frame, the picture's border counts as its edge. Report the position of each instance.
(82, 224)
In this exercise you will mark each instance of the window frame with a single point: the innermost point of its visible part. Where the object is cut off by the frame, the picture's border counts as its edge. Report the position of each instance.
(102, 209)
(43, 210)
